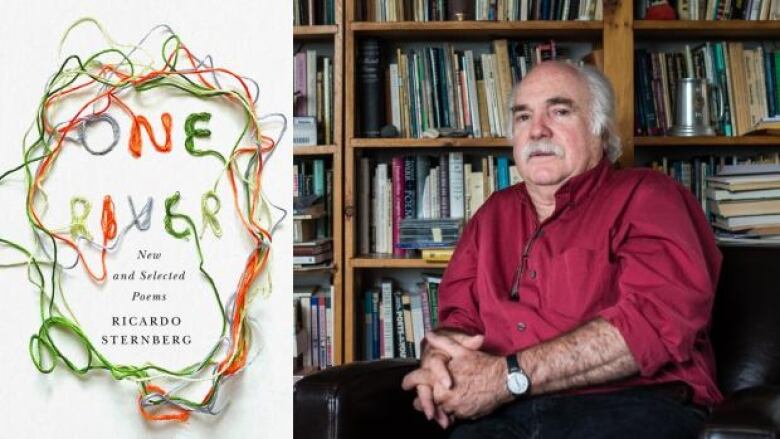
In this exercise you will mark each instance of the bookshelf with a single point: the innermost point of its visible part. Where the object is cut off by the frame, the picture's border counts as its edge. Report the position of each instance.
(331, 37)
(616, 35)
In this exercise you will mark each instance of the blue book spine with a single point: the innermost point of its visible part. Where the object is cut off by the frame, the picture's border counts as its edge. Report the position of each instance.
(769, 69)
(503, 173)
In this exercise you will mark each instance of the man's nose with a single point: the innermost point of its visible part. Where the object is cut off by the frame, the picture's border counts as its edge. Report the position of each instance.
(540, 128)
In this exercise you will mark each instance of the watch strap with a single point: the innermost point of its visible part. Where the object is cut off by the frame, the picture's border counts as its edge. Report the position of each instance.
(512, 364)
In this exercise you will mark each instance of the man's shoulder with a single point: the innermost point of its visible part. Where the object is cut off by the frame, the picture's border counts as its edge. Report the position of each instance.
(643, 180)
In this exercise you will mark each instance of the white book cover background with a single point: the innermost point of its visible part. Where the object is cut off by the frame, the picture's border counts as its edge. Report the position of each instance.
(249, 38)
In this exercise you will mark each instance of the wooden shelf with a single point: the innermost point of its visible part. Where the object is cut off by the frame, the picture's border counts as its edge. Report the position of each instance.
(381, 261)
(726, 29)
(715, 141)
(321, 32)
(446, 30)
(447, 142)
(314, 150)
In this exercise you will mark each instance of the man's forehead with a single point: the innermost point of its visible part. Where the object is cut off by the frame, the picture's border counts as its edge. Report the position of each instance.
(547, 90)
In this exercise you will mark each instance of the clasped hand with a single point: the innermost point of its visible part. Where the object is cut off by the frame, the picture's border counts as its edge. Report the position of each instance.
(456, 379)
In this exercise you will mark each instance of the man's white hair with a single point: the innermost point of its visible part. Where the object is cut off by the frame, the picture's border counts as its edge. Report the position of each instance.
(602, 109)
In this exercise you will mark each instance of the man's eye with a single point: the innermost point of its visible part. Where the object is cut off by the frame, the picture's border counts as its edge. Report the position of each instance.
(522, 117)
(561, 111)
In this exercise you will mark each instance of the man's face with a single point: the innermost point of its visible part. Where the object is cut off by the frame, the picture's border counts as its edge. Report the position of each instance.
(551, 120)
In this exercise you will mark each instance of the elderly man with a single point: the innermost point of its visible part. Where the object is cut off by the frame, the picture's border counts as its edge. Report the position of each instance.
(577, 303)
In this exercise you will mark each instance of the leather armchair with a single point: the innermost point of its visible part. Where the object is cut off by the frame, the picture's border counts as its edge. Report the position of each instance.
(365, 399)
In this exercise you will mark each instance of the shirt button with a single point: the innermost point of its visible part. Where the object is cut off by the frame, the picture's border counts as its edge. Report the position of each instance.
(521, 326)
(533, 274)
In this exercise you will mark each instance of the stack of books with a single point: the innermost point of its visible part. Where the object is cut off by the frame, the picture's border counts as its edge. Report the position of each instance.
(435, 238)
(490, 10)
(309, 249)
(745, 200)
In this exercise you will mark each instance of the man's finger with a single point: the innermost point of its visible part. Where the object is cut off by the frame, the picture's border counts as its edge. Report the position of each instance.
(446, 344)
(439, 371)
(425, 395)
(442, 419)
(473, 342)
(416, 378)
(416, 404)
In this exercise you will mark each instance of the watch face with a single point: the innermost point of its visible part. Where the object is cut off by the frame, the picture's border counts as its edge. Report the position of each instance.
(517, 383)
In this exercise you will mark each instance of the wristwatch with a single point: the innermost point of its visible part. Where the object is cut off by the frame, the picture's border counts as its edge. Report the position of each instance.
(517, 382)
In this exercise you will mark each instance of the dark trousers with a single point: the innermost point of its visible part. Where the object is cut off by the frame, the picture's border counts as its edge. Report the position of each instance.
(631, 414)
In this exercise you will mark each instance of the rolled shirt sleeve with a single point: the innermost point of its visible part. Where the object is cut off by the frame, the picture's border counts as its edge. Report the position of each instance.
(458, 308)
(668, 269)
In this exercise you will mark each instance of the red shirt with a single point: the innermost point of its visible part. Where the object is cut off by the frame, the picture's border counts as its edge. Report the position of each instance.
(629, 246)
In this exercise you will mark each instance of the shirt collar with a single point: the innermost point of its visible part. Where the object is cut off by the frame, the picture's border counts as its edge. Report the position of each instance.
(577, 188)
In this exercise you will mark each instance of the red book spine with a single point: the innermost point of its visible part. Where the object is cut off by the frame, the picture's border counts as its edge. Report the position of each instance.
(398, 202)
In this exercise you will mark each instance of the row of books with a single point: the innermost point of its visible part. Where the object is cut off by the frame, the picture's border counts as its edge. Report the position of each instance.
(313, 330)
(424, 187)
(748, 78)
(719, 9)
(314, 12)
(312, 213)
(443, 88)
(490, 10)
(395, 321)
(313, 92)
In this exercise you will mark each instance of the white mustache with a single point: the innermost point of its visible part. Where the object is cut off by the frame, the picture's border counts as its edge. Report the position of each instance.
(541, 146)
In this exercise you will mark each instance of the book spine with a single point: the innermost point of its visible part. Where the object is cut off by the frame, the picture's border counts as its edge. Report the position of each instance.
(426, 307)
(375, 328)
(387, 319)
(410, 187)
(371, 89)
(315, 332)
(300, 85)
(398, 202)
(323, 330)
(400, 328)
(433, 300)
(408, 325)
(456, 192)
(444, 187)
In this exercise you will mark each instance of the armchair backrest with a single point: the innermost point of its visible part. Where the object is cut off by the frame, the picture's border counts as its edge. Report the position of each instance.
(746, 318)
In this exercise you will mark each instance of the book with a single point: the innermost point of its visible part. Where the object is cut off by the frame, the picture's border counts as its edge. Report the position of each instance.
(721, 194)
(734, 208)
(438, 254)
(745, 182)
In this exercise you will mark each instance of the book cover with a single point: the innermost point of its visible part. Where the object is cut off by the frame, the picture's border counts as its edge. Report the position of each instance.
(139, 275)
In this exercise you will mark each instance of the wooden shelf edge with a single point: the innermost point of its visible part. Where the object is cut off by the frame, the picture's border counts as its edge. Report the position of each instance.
(377, 261)
(449, 142)
(476, 29)
(314, 150)
(315, 32)
(668, 141)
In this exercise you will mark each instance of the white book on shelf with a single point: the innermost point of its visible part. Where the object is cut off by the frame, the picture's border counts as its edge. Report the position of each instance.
(395, 96)
(426, 198)
(434, 180)
(476, 191)
(418, 327)
(387, 317)
(456, 185)
(311, 83)
(489, 81)
(471, 85)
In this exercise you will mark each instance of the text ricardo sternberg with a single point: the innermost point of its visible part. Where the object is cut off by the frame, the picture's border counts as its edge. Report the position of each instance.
(146, 339)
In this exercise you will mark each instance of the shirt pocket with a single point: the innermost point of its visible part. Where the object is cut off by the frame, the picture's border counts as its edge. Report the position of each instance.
(578, 285)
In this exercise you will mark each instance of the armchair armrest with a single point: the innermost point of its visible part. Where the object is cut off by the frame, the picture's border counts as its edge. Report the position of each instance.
(360, 400)
(748, 413)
